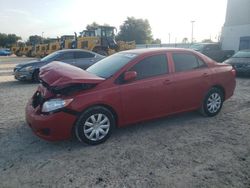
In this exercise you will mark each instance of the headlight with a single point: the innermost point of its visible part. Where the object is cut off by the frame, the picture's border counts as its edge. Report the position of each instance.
(55, 104)
(29, 68)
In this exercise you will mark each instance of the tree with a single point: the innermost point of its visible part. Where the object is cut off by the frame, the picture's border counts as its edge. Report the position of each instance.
(35, 39)
(92, 26)
(185, 40)
(156, 41)
(207, 40)
(138, 30)
(7, 40)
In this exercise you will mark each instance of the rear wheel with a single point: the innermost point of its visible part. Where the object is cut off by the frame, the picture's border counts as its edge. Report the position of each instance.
(212, 103)
(95, 125)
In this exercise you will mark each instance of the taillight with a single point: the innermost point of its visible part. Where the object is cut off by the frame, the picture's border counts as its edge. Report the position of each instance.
(233, 71)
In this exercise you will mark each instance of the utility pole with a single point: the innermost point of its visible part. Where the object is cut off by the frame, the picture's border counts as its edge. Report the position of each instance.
(42, 37)
(192, 33)
(169, 38)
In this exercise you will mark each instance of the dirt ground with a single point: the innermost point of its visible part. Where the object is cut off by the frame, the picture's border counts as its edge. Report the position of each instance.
(186, 150)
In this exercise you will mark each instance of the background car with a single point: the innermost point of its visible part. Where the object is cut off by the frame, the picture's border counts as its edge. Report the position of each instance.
(79, 58)
(241, 62)
(212, 50)
(126, 88)
(5, 52)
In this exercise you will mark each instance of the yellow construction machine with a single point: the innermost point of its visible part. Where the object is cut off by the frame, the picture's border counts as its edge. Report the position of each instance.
(52, 46)
(100, 39)
(66, 41)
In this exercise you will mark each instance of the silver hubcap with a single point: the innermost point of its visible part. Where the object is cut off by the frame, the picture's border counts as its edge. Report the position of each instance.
(214, 103)
(96, 127)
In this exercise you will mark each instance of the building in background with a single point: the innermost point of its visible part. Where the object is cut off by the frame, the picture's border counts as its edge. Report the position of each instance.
(236, 30)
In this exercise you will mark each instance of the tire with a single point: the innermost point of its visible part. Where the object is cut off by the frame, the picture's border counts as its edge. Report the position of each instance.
(212, 103)
(89, 127)
(35, 76)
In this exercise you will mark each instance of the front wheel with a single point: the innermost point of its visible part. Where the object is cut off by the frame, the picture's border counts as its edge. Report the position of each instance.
(95, 125)
(212, 103)
(35, 76)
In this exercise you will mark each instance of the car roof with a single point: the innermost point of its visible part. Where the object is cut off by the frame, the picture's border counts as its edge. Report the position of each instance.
(245, 50)
(150, 50)
(74, 50)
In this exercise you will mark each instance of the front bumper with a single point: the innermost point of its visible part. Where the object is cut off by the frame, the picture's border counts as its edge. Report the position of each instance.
(22, 75)
(52, 127)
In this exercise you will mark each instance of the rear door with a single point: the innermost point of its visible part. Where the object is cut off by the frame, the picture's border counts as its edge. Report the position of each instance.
(191, 80)
(66, 57)
(150, 95)
(84, 59)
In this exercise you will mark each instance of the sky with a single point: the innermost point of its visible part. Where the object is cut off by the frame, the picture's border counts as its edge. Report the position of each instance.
(167, 18)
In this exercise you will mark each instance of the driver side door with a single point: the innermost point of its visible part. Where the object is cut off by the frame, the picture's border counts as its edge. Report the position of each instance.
(148, 96)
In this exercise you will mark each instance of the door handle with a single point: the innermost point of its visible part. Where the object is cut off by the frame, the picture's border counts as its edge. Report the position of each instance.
(205, 74)
(167, 82)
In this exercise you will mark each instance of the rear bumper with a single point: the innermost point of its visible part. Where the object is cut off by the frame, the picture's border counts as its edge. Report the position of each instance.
(52, 127)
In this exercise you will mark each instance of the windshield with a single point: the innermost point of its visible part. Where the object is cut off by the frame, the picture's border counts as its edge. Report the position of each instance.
(197, 47)
(242, 54)
(110, 65)
(109, 32)
(50, 57)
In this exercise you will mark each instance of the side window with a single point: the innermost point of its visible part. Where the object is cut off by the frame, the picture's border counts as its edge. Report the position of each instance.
(65, 56)
(201, 63)
(151, 66)
(185, 62)
(79, 55)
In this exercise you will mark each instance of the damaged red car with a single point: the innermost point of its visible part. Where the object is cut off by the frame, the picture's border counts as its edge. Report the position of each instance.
(125, 88)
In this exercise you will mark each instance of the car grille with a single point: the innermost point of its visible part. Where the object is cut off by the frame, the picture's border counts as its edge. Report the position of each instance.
(37, 99)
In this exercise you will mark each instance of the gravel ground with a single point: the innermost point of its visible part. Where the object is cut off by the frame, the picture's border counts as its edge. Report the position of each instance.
(186, 150)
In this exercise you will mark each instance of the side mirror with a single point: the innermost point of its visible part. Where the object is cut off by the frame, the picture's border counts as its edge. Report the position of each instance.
(130, 76)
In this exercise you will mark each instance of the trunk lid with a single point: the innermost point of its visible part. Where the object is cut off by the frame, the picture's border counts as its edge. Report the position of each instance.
(62, 74)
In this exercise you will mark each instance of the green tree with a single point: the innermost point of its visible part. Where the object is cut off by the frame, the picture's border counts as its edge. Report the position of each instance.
(92, 26)
(156, 41)
(138, 30)
(185, 40)
(7, 40)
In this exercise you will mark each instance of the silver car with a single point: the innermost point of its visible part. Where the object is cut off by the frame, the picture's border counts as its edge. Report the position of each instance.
(77, 57)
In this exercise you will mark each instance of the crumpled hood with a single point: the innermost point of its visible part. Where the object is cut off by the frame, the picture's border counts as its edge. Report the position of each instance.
(60, 74)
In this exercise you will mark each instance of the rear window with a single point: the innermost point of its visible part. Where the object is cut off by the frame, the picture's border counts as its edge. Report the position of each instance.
(185, 62)
(79, 55)
(242, 54)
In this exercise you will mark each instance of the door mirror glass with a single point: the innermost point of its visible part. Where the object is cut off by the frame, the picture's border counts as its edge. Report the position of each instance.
(130, 76)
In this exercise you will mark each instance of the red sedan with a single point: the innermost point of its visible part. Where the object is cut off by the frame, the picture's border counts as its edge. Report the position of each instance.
(125, 88)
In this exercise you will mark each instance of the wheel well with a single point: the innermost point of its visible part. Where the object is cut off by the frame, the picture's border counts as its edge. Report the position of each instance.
(35, 71)
(221, 89)
(108, 107)
(102, 105)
